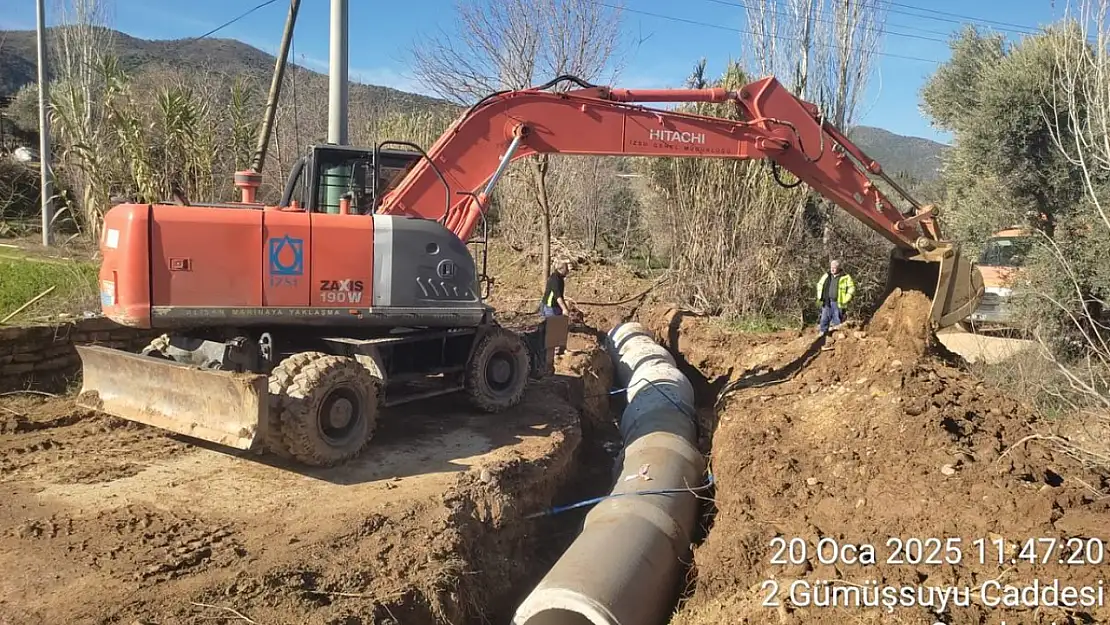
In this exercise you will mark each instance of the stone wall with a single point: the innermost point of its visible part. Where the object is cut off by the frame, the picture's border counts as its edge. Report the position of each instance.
(43, 355)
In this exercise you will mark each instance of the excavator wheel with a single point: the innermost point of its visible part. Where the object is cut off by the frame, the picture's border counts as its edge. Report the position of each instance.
(281, 381)
(329, 409)
(497, 373)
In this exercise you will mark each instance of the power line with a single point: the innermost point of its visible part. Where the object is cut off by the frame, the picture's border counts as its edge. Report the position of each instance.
(233, 20)
(1028, 30)
(746, 32)
(887, 31)
(960, 18)
(953, 18)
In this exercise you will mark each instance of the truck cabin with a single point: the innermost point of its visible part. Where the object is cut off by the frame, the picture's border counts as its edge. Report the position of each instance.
(1006, 249)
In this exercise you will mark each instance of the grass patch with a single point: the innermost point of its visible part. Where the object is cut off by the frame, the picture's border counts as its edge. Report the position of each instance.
(761, 324)
(21, 279)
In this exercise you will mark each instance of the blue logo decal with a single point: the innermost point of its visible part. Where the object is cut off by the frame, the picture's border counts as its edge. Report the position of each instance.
(286, 256)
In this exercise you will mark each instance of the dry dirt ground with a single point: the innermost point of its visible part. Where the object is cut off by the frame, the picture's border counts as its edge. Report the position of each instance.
(106, 521)
(867, 438)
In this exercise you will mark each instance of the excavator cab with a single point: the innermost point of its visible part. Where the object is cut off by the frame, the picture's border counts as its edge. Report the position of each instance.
(327, 173)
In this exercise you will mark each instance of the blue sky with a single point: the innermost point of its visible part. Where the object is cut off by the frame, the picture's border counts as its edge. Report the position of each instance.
(383, 31)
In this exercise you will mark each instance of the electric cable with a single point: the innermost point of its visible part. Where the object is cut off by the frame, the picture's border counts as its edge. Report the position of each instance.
(962, 19)
(882, 31)
(747, 32)
(231, 21)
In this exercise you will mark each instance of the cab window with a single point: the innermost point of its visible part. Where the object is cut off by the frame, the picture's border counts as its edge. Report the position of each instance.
(344, 174)
(1006, 252)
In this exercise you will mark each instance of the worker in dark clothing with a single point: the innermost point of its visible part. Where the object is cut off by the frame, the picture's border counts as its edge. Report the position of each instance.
(553, 303)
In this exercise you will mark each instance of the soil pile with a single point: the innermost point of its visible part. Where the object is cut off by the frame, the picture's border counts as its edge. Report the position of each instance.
(867, 440)
(902, 321)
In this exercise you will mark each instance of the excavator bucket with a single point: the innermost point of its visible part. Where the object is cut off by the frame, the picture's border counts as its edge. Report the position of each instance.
(223, 407)
(949, 279)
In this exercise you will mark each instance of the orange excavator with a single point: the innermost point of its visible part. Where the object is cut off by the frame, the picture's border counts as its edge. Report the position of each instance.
(288, 326)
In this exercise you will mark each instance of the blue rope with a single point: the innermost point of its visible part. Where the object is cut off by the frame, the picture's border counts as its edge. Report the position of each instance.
(664, 491)
(678, 407)
(589, 502)
(618, 391)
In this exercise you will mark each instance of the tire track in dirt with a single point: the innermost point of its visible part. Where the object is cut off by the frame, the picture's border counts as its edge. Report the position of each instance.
(52, 437)
(108, 521)
(139, 542)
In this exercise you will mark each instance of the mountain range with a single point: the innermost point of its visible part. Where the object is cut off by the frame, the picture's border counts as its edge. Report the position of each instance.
(918, 157)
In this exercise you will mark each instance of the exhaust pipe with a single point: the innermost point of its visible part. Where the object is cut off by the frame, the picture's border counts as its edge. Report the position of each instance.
(625, 566)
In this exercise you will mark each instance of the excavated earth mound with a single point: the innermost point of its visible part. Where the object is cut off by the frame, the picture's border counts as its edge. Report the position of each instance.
(870, 439)
(108, 521)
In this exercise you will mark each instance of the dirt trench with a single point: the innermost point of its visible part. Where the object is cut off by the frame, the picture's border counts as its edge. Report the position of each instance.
(108, 521)
(872, 437)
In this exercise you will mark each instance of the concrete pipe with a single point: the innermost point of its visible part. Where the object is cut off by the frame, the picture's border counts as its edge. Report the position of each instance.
(625, 566)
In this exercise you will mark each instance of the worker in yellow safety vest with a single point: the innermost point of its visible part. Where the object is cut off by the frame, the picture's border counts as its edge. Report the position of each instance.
(834, 290)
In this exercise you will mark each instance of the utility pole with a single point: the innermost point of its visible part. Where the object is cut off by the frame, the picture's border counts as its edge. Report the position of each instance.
(275, 89)
(44, 127)
(336, 178)
(337, 74)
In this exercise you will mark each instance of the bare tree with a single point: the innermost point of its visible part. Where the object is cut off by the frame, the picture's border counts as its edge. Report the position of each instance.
(82, 41)
(1082, 103)
(515, 44)
(1079, 101)
(822, 50)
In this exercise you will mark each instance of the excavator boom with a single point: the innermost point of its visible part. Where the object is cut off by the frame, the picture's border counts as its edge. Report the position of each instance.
(454, 182)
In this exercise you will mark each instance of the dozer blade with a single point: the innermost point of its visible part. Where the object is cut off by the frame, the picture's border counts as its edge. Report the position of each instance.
(223, 407)
(949, 279)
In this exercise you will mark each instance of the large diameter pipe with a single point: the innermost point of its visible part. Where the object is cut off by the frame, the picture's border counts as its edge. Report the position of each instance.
(625, 566)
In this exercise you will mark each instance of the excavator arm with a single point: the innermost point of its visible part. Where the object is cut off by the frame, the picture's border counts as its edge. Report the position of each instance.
(453, 183)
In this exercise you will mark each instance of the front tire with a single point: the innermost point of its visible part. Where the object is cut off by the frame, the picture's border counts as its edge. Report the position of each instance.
(281, 381)
(497, 373)
(330, 409)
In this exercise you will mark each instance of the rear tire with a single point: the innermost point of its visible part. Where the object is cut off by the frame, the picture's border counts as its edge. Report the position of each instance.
(497, 373)
(330, 410)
